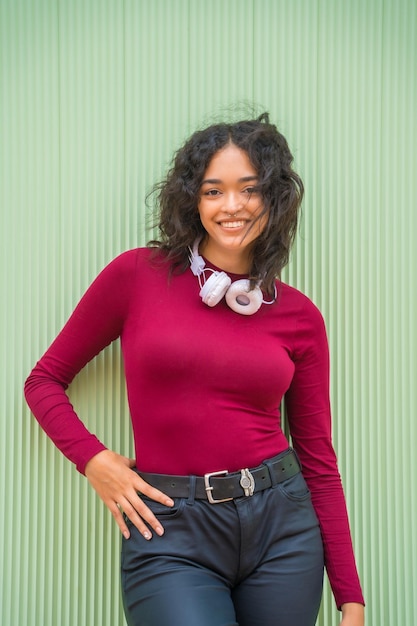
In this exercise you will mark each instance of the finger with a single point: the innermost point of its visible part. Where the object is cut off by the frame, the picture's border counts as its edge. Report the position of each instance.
(136, 519)
(116, 511)
(152, 492)
(142, 517)
(138, 511)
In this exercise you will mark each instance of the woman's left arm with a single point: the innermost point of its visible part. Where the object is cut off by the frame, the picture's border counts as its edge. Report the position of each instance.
(309, 419)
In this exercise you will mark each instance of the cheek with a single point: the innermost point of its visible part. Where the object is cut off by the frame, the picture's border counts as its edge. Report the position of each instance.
(262, 219)
(204, 211)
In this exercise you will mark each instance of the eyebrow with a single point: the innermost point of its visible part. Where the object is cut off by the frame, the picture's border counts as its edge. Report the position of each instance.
(218, 181)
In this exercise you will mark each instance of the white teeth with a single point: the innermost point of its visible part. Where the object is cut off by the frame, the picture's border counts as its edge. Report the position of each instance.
(233, 224)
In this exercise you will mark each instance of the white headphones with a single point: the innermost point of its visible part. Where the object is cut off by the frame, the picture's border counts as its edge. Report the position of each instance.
(239, 296)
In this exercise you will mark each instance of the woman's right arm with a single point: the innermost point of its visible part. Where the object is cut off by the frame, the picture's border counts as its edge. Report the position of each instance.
(96, 321)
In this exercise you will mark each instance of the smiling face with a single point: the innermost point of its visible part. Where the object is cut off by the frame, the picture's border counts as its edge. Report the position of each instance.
(229, 207)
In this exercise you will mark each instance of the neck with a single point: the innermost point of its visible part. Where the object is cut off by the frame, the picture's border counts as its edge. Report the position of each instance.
(233, 261)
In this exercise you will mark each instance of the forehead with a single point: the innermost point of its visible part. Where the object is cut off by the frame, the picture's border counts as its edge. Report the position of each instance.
(228, 160)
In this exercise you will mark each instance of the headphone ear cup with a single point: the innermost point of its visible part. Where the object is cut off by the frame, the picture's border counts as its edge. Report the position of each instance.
(215, 288)
(242, 299)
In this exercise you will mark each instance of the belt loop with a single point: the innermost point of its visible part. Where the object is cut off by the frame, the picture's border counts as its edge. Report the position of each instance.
(271, 472)
(191, 490)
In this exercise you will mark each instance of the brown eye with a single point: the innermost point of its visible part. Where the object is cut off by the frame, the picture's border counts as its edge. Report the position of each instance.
(250, 191)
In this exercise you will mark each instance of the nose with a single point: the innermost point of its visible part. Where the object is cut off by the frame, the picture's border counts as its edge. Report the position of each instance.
(233, 202)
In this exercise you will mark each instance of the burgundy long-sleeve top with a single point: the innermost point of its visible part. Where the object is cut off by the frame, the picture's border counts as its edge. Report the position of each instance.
(204, 386)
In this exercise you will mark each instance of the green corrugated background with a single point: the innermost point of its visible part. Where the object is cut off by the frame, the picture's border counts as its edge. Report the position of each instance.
(95, 96)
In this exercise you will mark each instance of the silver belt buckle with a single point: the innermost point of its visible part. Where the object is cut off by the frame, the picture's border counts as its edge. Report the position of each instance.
(247, 482)
(209, 488)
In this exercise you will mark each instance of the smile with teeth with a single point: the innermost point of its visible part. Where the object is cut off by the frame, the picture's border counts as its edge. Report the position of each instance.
(233, 224)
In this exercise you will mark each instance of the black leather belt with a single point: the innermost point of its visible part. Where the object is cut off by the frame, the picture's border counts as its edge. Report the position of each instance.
(222, 486)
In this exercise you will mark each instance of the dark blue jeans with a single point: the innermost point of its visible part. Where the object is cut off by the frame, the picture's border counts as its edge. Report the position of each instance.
(253, 561)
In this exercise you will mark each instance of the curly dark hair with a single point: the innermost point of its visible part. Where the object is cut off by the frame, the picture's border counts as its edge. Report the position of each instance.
(280, 187)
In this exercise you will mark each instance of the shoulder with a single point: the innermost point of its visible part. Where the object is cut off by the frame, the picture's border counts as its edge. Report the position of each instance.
(137, 267)
(122, 271)
(308, 324)
(131, 257)
(297, 301)
(133, 260)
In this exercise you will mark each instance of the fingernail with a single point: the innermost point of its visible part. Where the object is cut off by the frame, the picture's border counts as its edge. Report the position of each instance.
(126, 534)
(159, 531)
(147, 535)
(170, 502)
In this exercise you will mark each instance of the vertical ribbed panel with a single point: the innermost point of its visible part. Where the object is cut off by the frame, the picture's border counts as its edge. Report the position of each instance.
(95, 96)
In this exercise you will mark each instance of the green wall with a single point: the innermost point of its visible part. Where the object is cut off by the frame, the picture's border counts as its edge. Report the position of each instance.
(95, 96)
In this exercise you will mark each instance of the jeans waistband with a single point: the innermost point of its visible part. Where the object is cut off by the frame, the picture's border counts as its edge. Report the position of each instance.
(221, 486)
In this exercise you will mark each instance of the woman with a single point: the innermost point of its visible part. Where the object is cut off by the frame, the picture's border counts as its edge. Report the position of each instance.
(220, 526)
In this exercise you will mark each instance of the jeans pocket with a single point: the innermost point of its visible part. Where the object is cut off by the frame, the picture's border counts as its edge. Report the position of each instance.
(162, 513)
(295, 488)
